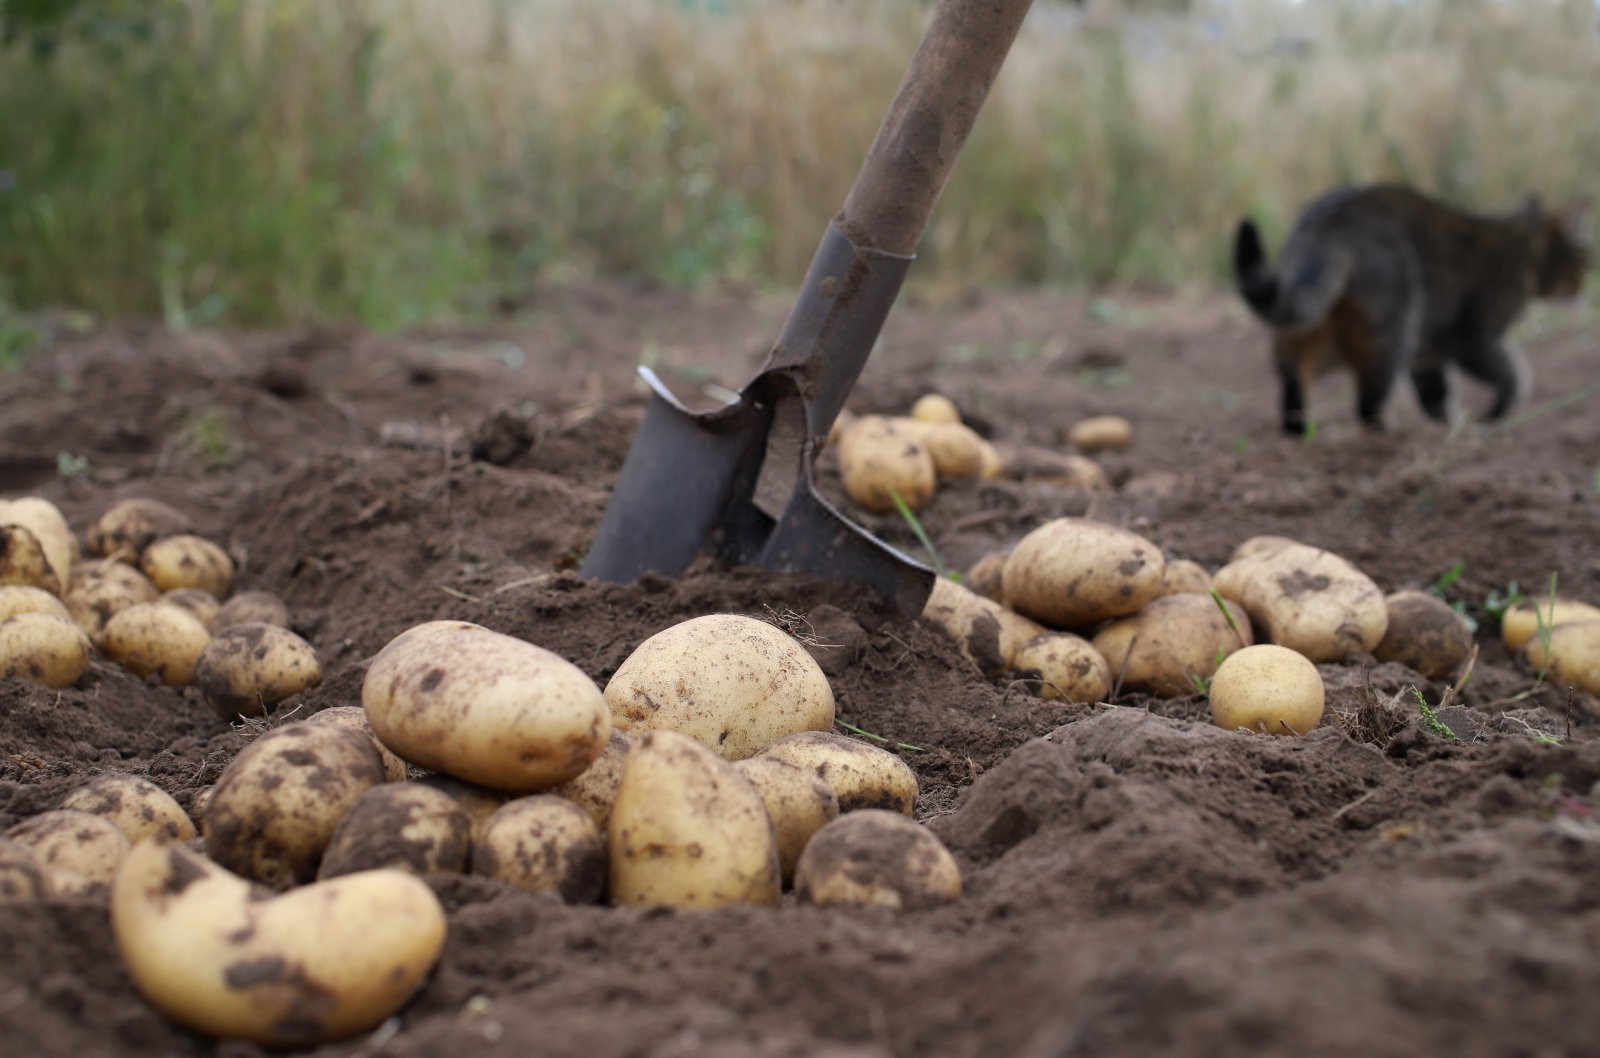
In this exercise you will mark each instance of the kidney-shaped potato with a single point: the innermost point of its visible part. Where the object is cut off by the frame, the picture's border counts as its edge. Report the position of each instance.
(43, 648)
(1305, 598)
(129, 526)
(1073, 572)
(860, 775)
(157, 638)
(188, 561)
(1173, 644)
(879, 859)
(404, 825)
(543, 844)
(247, 669)
(986, 632)
(78, 851)
(137, 807)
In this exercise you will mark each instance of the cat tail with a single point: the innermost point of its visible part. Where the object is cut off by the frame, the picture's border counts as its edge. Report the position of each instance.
(1315, 278)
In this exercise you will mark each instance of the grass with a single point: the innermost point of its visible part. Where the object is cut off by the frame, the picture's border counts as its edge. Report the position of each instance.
(1430, 719)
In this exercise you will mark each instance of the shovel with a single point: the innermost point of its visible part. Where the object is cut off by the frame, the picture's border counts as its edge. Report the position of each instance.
(742, 477)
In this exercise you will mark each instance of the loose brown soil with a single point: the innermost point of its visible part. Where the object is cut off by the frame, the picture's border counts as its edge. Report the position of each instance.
(1137, 881)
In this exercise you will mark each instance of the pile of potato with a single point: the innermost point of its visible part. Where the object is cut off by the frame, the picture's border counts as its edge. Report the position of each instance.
(1560, 637)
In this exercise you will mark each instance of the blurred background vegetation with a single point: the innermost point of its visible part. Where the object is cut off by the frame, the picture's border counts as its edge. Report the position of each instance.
(393, 161)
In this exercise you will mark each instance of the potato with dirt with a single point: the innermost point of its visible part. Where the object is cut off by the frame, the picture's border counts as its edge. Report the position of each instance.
(1185, 576)
(37, 547)
(1173, 645)
(136, 806)
(1100, 433)
(1523, 620)
(355, 718)
(23, 879)
(1063, 667)
(313, 965)
(79, 852)
(246, 669)
(1570, 653)
(1073, 572)
(877, 859)
(986, 576)
(403, 825)
(543, 844)
(798, 803)
(986, 632)
(881, 459)
(156, 639)
(860, 775)
(44, 649)
(458, 698)
(1267, 689)
(1305, 598)
(100, 590)
(188, 561)
(25, 598)
(129, 526)
(252, 607)
(595, 788)
(1424, 634)
(197, 601)
(956, 449)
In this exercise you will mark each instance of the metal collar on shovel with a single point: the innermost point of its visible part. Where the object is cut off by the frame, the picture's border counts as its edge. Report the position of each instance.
(743, 475)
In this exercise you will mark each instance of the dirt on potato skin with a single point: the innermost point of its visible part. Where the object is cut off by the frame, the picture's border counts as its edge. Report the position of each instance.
(1137, 881)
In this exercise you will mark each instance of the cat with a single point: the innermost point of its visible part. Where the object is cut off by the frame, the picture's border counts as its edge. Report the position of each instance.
(1383, 280)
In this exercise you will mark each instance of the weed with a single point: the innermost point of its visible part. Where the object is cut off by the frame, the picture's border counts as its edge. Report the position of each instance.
(921, 534)
(1443, 583)
(209, 435)
(1496, 603)
(854, 730)
(1430, 719)
(1228, 617)
(70, 466)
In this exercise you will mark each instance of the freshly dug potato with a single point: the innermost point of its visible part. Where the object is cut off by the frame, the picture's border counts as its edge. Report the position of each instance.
(188, 561)
(1305, 599)
(985, 631)
(479, 802)
(156, 638)
(404, 825)
(1425, 634)
(25, 598)
(137, 807)
(23, 878)
(1101, 432)
(197, 601)
(991, 464)
(79, 852)
(935, 407)
(24, 561)
(455, 697)
(275, 806)
(101, 589)
(313, 965)
(1269, 689)
(798, 803)
(129, 526)
(252, 607)
(1520, 623)
(880, 458)
(543, 844)
(247, 669)
(986, 577)
(1574, 655)
(199, 801)
(53, 542)
(1185, 576)
(1027, 463)
(1068, 667)
(1073, 572)
(688, 830)
(595, 789)
(42, 648)
(733, 682)
(878, 859)
(1257, 546)
(355, 718)
(840, 423)
(956, 450)
(860, 775)
(1175, 640)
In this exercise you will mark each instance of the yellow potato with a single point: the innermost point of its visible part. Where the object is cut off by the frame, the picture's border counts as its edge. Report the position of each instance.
(1067, 667)
(1170, 645)
(1574, 655)
(543, 844)
(985, 631)
(1268, 689)
(188, 561)
(733, 682)
(78, 851)
(878, 859)
(484, 707)
(247, 669)
(120, 573)
(1047, 466)
(156, 638)
(595, 788)
(860, 775)
(935, 407)
(956, 450)
(355, 718)
(52, 540)
(24, 561)
(198, 802)
(840, 423)
(403, 825)
(1073, 572)
(1520, 623)
(1305, 598)
(688, 830)
(100, 590)
(1425, 634)
(1183, 576)
(129, 526)
(23, 878)
(991, 464)
(1101, 432)
(44, 649)
(137, 807)
(880, 459)
(252, 607)
(479, 802)
(24, 598)
(313, 965)
(798, 803)
(197, 601)
(987, 576)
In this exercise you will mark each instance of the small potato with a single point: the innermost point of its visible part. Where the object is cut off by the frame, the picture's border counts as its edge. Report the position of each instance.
(52, 540)
(403, 825)
(157, 639)
(1050, 467)
(275, 806)
(1172, 643)
(860, 775)
(799, 804)
(129, 526)
(252, 607)
(1101, 432)
(1305, 598)
(956, 450)
(44, 649)
(118, 572)
(986, 577)
(1073, 572)
(1520, 623)
(1425, 634)
(880, 459)
(1269, 689)
(24, 561)
(1183, 576)
(479, 802)
(733, 682)
(688, 830)
(1266, 544)
(935, 407)
(100, 590)
(991, 464)
(985, 631)
(543, 844)
(595, 788)
(313, 965)
(1067, 667)
(247, 669)
(877, 859)
(23, 878)
(355, 718)
(79, 852)
(137, 807)
(197, 601)
(187, 561)
(24, 598)
(1574, 655)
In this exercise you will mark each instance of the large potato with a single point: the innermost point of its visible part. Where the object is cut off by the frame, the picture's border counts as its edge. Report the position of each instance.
(878, 859)
(595, 788)
(798, 803)
(1175, 641)
(1067, 667)
(986, 632)
(733, 682)
(355, 718)
(45, 561)
(1268, 689)
(1574, 655)
(137, 807)
(252, 607)
(484, 707)
(1425, 634)
(860, 775)
(688, 830)
(316, 964)
(25, 598)
(543, 844)
(1305, 599)
(247, 669)
(1521, 622)
(129, 526)
(1073, 572)
(100, 590)
(157, 639)
(23, 878)
(43, 648)
(404, 825)
(880, 459)
(188, 561)
(276, 804)
(78, 851)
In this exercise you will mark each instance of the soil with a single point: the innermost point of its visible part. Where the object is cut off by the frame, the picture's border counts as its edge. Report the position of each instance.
(1137, 881)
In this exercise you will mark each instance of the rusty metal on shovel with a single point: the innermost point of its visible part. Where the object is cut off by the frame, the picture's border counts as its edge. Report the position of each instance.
(742, 476)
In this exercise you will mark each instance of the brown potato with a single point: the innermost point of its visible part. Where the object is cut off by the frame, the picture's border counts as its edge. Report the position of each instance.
(1267, 689)
(543, 844)
(860, 775)
(1305, 598)
(44, 649)
(880, 459)
(156, 639)
(879, 859)
(403, 825)
(247, 669)
(79, 852)
(25, 598)
(47, 561)
(595, 788)
(798, 803)
(355, 718)
(252, 607)
(1176, 642)
(1073, 572)
(1425, 634)
(188, 561)
(1101, 432)
(129, 526)
(1067, 667)
(1573, 657)
(100, 590)
(23, 878)
(137, 807)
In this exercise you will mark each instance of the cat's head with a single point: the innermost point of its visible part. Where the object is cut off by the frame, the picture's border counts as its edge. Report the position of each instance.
(1560, 258)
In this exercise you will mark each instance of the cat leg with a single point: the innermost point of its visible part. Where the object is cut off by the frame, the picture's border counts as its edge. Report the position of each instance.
(1502, 366)
(1433, 392)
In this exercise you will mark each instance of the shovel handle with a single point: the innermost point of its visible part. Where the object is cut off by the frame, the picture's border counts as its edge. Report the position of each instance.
(888, 206)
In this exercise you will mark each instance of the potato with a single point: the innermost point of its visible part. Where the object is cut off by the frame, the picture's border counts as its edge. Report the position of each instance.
(1072, 572)
(100, 590)
(137, 807)
(1425, 634)
(956, 450)
(1574, 655)
(455, 697)
(798, 803)
(479, 802)
(1257, 546)
(24, 561)
(47, 561)
(935, 408)
(156, 639)
(44, 649)
(841, 422)
(276, 804)
(78, 851)
(595, 789)
(317, 964)
(23, 878)
(985, 631)
(1180, 638)
(252, 607)
(129, 526)
(733, 682)
(1101, 432)
(1184, 576)
(986, 577)
(543, 844)
(247, 669)
(1267, 688)
(403, 825)
(117, 572)
(1305, 598)
(878, 859)
(860, 775)
(25, 598)
(991, 464)
(197, 601)
(187, 561)
(880, 458)
(1027, 463)
(1067, 668)
(1520, 624)
(688, 830)
(355, 718)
